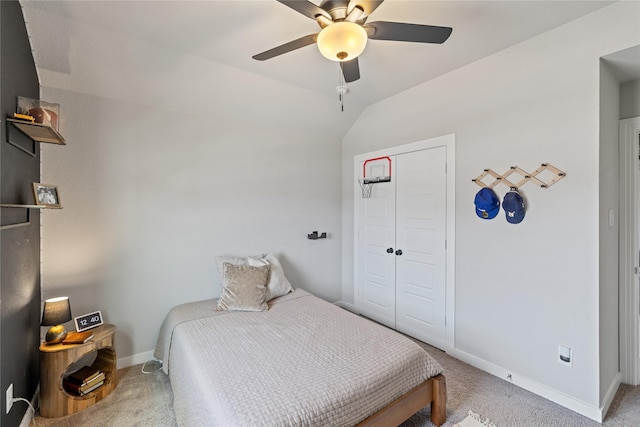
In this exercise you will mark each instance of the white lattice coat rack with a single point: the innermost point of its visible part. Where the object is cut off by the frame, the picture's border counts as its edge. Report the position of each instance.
(556, 175)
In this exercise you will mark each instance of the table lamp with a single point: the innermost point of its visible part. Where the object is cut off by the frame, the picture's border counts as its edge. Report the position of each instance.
(56, 312)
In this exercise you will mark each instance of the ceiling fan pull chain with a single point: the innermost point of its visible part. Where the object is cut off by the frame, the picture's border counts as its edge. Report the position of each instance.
(340, 83)
(342, 88)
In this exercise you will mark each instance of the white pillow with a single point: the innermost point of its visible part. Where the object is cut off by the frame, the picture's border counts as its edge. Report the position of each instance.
(277, 283)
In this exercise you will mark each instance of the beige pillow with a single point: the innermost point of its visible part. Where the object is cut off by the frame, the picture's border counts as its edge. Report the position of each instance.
(220, 260)
(244, 288)
(277, 283)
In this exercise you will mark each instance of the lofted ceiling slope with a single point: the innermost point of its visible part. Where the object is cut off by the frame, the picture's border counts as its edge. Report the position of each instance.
(230, 32)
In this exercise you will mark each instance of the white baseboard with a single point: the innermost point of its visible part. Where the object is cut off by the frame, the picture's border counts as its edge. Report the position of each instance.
(136, 359)
(29, 414)
(28, 417)
(562, 399)
(347, 306)
(611, 394)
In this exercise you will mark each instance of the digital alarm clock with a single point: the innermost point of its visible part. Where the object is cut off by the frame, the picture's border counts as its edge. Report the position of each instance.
(88, 321)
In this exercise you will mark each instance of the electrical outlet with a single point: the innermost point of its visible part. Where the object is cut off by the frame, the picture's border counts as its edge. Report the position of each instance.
(9, 397)
(565, 355)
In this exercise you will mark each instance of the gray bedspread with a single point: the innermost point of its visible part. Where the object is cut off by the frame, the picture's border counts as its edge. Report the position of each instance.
(304, 362)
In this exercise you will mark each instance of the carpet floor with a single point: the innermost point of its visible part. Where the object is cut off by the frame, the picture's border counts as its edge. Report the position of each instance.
(145, 400)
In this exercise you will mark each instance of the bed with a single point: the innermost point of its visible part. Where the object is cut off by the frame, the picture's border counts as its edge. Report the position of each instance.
(302, 362)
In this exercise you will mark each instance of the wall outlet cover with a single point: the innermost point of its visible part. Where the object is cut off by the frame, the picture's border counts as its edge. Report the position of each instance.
(565, 355)
(9, 397)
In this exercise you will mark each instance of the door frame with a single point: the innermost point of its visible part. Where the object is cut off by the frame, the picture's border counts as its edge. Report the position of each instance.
(629, 250)
(447, 141)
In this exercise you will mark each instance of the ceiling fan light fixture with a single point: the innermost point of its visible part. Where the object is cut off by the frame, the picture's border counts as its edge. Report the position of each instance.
(342, 41)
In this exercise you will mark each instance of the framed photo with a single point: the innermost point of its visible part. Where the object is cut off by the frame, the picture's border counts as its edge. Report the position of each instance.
(88, 321)
(46, 195)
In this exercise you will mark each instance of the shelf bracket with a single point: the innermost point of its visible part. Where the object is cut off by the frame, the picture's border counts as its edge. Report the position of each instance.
(17, 224)
(14, 140)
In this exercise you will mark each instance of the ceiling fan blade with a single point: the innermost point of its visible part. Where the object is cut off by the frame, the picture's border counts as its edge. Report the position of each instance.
(287, 47)
(306, 8)
(350, 70)
(403, 32)
(367, 5)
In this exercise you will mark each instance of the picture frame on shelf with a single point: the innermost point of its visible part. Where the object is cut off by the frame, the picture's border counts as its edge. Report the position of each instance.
(46, 195)
(46, 113)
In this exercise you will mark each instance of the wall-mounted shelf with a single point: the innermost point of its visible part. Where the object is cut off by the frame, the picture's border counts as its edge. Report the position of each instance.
(16, 205)
(38, 132)
(25, 220)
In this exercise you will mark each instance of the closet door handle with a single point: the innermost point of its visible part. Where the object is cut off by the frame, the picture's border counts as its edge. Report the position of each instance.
(399, 252)
(389, 250)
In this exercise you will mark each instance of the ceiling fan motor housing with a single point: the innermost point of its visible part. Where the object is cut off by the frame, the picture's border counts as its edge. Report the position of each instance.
(336, 8)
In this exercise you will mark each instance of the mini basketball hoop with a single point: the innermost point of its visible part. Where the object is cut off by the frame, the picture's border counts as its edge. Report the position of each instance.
(374, 171)
(379, 170)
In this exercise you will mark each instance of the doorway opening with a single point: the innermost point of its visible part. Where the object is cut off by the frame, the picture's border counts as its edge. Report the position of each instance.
(629, 302)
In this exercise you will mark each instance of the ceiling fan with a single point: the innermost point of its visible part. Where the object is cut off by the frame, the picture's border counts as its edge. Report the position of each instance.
(344, 32)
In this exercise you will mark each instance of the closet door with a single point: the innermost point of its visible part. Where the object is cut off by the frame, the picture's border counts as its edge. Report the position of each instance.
(376, 287)
(420, 244)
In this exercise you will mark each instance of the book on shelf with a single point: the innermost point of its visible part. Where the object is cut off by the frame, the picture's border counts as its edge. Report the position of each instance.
(88, 386)
(78, 337)
(92, 388)
(83, 390)
(83, 376)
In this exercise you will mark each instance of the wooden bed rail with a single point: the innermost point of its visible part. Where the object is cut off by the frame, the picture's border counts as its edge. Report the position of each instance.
(433, 391)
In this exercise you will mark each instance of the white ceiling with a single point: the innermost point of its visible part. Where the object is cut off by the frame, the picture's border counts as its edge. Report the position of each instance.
(230, 32)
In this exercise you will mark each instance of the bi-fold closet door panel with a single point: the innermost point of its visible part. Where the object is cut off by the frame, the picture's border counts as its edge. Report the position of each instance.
(420, 236)
(402, 250)
(377, 281)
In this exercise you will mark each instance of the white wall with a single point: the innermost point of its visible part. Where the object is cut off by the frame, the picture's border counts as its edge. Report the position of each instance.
(630, 99)
(171, 163)
(521, 290)
(609, 201)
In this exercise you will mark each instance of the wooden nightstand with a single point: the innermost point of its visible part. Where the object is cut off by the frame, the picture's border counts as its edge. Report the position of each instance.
(56, 359)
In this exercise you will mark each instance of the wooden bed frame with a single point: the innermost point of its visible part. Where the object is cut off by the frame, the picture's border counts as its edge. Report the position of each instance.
(433, 391)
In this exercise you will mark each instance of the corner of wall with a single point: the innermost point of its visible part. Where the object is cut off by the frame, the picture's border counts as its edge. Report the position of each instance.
(20, 238)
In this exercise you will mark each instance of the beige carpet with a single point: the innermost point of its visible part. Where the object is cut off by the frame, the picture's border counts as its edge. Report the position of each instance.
(507, 405)
(145, 400)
